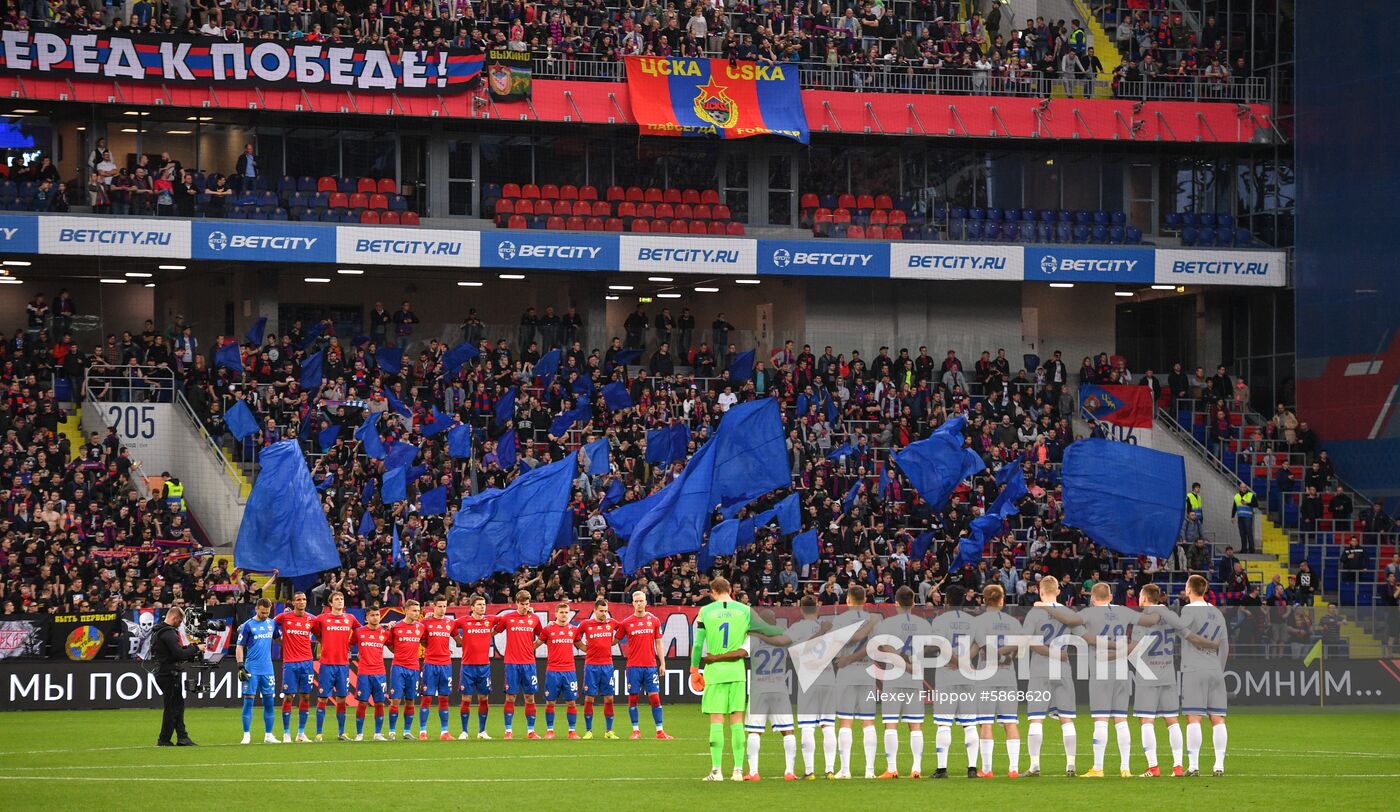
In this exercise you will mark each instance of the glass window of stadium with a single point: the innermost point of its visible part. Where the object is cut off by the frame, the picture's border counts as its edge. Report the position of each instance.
(26, 138)
(196, 141)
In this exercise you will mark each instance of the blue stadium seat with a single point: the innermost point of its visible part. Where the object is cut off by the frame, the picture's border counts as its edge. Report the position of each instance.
(279, 213)
(1133, 235)
(1028, 232)
(1047, 216)
(1224, 220)
(1100, 217)
(1189, 235)
(1243, 237)
(838, 230)
(1080, 233)
(286, 186)
(1011, 215)
(1062, 232)
(830, 202)
(1205, 236)
(1029, 215)
(267, 200)
(346, 185)
(1099, 234)
(976, 213)
(1044, 232)
(1173, 221)
(1116, 234)
(1118, 218)
(1064, 216)
(306, 184)
(236, 213)
(1082, 217)
(994, 215)
(975, 230)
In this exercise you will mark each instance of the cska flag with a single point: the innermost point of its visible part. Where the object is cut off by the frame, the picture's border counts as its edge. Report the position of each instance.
(1127, 406)
(715, 97)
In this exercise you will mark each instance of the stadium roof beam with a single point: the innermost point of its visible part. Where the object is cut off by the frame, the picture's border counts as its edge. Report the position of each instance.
(826, 105)
(1163, 125)
(568, 97)
(612, 98)
(953, 111)
(1201, 119)
(1082, 123)
(996, 114)
(871, 110)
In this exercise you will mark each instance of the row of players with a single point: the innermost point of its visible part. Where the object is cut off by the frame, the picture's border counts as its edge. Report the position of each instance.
(1149, 637)
(421, 668)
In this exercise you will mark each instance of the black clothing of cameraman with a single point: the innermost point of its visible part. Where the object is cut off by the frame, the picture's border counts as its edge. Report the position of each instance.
(168, 653)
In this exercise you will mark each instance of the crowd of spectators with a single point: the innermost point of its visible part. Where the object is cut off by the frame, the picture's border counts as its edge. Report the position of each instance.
(1159, 47)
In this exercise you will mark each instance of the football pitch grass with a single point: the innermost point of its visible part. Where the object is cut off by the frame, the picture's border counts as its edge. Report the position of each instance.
(1285, 759)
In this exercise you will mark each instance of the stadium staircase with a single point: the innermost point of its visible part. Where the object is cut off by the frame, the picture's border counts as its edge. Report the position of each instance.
(1104, 47)
(72, 428)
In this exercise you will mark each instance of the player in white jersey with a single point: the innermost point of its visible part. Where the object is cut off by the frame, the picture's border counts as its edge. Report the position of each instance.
(1203, 675)
(954, 695)
(1156, 689)
(992, 632)
(1050, 691)
(856, 695)
(1105, 626)
(903, 697)
(816, 704)
(770, 698)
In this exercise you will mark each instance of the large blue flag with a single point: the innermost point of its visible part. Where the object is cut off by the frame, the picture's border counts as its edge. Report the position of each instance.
(613, 495)
(327, 437)
(678, 517)
(325, 483)
(788, 512)
(459, 442)
(438, 424)
(240, 420)
(667, 444)
(433, 502)
(505, 407)
(616, 396)
(503, 530)
(546, 367)
(624, 520)
(311, 371)
(843, 450)
(284, 527)
(724, 537)
(936, 465)
(400, 455)
(596, 453)
(389, 359)
(623, 358)
(507, 450)
(851, 496)
(1125, 497)
(230, 357)
(368, 433)
(741, 368)
(972, 546)
(1013, 483)
(312, 333)
(453, 359)
(397, 406)
(882, 487)
(921, 544)
(391, 489)
(582, 411)
(257, 332)
(804, 548)
(366, 527)
(396, 551)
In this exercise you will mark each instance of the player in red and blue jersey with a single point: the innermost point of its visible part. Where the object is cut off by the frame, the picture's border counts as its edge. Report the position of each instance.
(522, 629)
(595, 636)
(406, 641)
(333, 629)
(437, 668)
(369, 641)
(298, 666)
(561, 671)
(473, 633)
(642, 633)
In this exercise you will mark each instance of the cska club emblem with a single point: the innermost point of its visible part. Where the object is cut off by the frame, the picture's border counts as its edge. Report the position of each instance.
(714, 106)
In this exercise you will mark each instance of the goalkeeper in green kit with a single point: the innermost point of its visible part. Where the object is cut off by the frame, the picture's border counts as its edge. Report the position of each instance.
(721, 631)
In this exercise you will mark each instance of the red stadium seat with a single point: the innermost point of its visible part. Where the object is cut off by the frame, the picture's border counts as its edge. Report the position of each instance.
(690, 196)
(875, 232)
(666, 211)
(855, 232)
(641, 226)
(646, 210)
(575, 224)
(684, 211)
(369, 217)
(387, 186)
(588, 193)
(359, 200)
(581, 208)
(327, 184)
(703, 212)
(846, 202)
(735, 229)
(672, 196)
(698, 227)
(883, 202)
(505, 206)
(809, 201)
(879, 217)
(615, 194)
(530, 190)
(602, 208)
(518, 222)
(709, 196)
(338, 200)
(660, 227)
(822, 216)
(613, 224)
(555, 223)
(654, 195)
(865, 202)
(717, 228)
(680, 227)
(894, 233)
(389, 218)
(635, 194)
(524, 206)
(594, 224)
(548, 207)
(898, 217)
(549, 191)
(366, 186)
(409, 218)
(510, 190)
(568, 192)
(722, 212)
(841, 216)
(625, 209)
(378, 201)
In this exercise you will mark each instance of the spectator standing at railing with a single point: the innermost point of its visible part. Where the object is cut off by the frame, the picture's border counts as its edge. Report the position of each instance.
(1309, 509)
(1242, 511)
(404, 320)
(246, 169)
(1353, 560)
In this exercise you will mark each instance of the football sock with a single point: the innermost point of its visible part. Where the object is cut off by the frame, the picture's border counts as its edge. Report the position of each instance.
(986, 745)
(549, 715)
(1193, 745)
(269, 712)
(942, 741)
(1100, 742)
(970, 743)
(1219, 738)
(423, 703)
(1071, 739)
(303, 710)
(530, 713)
(736, 744)
(632, 711)
(891, 749)
(340, 715)
(509, 712)
(867, 744)
(753, 752)
(465, 713)
(247, 713)
(287, 716)
(789, 753)
(1125, 744)
(360, 719)
(483, 709)
(1035, 733)
(716, 745)
(1013, 755)
(393, 718)
(1149, 744)
(829, 747)
(320, 715)
(916, 746)
(588, 714)
(656, 715)
(809, 750)
(844, 737)
(443, 703)
(608, 712)
(378, 719)
(1174, 741)
(571, 713)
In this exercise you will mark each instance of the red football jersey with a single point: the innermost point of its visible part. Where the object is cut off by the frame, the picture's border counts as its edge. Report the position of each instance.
(296, 636)
(437, 640)
(521, 633)
(597, 637)
(371, 642)
(641, 634)
(559, 642)
(334, 633)
(407, 639)
(475, 639)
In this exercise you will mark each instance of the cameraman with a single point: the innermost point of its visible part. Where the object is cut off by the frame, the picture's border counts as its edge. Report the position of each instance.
(169, 652)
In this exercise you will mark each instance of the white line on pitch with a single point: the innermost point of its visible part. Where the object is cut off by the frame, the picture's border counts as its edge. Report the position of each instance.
(397, 760)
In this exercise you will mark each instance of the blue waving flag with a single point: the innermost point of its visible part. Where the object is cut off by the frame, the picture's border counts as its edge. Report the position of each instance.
(389, 359)
(325, 483)
(397, 406)
(843, 450)
(368, 433)
(454, 358)
(507, 450)
(624, 520)
(936, 465)
(327, 437)
(724, 537)
(503, 530)
(312, 333)
(1013, 484)
(400, 455)
(745, 532)
(284, 527)
(788, 512)
(625, 357)
(433, 502)
(752, 456)
(438, 424)
(582, 411)
(459, 442)
(230, 357)
(972, 546)
(804, 548)
(391, 489)
(613, 495)
(366, 527)
(883, 486)
(850, 497)
(1125, 497)
(240, 420)
(616, 396)
(396, 551)
(597, 454)
(257, 332)
(741, 368)
(546, 367)
(921, 544)
(311, 371)
(505, 407)
(678, 515)
(667, 444)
